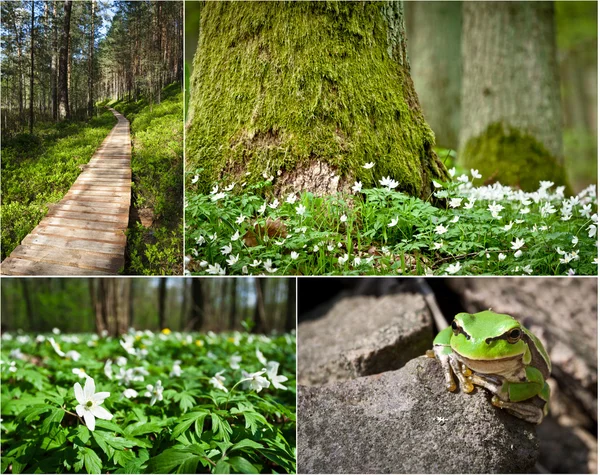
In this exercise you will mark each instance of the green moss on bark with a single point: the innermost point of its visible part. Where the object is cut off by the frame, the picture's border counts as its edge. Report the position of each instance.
(504, 154)
(277, 86)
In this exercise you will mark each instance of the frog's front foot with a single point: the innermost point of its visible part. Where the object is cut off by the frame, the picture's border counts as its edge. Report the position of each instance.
(463, 374)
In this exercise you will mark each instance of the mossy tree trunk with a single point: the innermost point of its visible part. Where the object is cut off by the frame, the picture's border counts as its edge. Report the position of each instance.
(308, 92)
(434, 49)
(511, 127)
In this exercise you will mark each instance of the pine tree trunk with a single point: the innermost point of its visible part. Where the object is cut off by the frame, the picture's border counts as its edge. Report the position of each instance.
(31, 71)
(91, 63)
(233, 307)
(53, 64)
(197, 308)
(64, 111)
(162, 299)
(308, 92)
(290, 316)
(434, 49)
(511, 113)
(259, 311)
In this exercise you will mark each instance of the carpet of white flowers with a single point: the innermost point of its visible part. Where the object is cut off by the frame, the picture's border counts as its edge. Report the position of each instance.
(148, 402)
(493, 230)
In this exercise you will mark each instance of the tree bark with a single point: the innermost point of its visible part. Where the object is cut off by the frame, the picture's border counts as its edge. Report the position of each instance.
(28, 304)
(312, 107)
(64, 112)
(233, 307)
(162, 299)
(32, 33)
(290, 316)
(97, 297)
(54, 61)
(434, 49)
(259, 311)
(511, 113)
(197, 309)
(91, 63)
(111, 300)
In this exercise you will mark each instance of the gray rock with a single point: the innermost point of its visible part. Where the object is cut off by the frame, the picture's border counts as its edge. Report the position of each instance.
(363, 335)
(405, 421)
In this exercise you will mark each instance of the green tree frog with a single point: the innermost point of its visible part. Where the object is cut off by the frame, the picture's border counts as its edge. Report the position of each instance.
(496, 352)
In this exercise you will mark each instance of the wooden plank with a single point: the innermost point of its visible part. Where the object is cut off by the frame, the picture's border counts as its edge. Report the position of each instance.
(122, 219)
(111, 237)
(83, 180)
(73, 258)
(17, 266)
(61, 242)
(98, 206)
(104, 193)
(117, 200)
(82, 224)
(100, 187)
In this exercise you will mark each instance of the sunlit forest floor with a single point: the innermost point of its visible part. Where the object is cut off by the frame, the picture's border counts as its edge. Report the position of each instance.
(156, 223)
(39, 169)
(148, 403)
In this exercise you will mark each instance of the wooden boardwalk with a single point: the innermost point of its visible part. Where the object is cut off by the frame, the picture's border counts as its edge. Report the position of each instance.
(84, 234)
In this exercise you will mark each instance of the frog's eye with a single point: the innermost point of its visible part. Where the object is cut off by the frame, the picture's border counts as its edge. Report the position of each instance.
(455, 327)
(514, 335)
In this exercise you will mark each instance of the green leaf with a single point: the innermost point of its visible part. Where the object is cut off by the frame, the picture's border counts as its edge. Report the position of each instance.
(242, 465)
(246, 443)
(118, 443)
(92, 462)
(220, 427)
(109, 425)
(171, 459)
(187, 420)
(33, 413)
(52, 421)
(222, 467)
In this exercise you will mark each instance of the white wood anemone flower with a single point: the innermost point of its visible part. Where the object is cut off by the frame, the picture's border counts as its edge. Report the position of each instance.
(89, 403)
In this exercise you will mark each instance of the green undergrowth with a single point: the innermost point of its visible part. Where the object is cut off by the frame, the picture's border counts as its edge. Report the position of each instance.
(165, 402)
(487, 230)
(265, 99)
(157, 161)
(39, 169)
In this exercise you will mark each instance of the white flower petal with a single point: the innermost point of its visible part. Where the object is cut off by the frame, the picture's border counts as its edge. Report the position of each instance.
(80, 410)
(101, 413)
(90, 420)
(79, 394)
(100, 397)
(89, 389)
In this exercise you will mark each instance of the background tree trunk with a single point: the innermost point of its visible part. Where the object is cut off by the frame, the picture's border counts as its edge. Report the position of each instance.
(316, 104)
(290, 316)
(162, 300)
(64, 111)
(28, 305)
(197, 309)
(259, 312)
(511, 127)
(434, 50)
(233, 307)
(31, 74)
(91, 62)
(53, 64)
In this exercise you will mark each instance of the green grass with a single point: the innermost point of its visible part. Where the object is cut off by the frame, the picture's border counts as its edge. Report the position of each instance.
(157, 167)
(39, 169)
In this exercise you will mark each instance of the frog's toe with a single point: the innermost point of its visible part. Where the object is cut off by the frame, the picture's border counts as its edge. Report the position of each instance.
(466, 385)
(528, 411)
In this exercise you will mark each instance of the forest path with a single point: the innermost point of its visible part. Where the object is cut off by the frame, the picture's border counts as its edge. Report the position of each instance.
(84, 234)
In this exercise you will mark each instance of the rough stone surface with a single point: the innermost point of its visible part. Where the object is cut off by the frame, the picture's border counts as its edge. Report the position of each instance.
(364, 335)
(405, 421)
